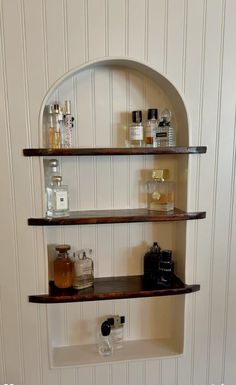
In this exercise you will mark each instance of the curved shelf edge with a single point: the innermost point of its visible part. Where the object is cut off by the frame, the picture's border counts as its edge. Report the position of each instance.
(114, 151)
(116, 216)
(111, 288)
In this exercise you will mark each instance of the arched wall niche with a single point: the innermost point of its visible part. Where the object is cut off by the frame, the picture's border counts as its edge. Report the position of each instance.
(145, 87)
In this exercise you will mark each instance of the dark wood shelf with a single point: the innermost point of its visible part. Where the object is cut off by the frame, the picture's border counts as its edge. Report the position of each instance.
(112, 288)
(116, 216)
(114, 151)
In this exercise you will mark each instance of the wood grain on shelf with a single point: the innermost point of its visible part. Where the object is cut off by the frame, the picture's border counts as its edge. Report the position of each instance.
(114, 151)
(116, 216)
(112, 288)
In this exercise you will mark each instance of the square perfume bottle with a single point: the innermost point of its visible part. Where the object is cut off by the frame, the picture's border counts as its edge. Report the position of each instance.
(160, 191)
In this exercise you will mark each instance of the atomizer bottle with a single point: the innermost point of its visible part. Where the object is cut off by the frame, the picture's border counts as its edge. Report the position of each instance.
(117, 330)
(57, 198)
(68, 124)
(57, 118)
(84, 274)
(50, 127)
(136, 130)
(151, 265)
(160, 191)
(105, 347)
(63, 268)
(165, 135)
(151, 127)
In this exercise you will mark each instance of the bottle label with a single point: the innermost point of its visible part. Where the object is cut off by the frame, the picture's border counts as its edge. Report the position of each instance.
(82, 268)
(61, 200)
(136, 133)
(161, 134)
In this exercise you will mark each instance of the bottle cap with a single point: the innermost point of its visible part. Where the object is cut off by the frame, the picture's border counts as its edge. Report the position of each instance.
(62, 248)
(105, 328)
(50, 109)
(136, 116)
(166, 255)
(53, 163)
(56, 108)
(152, 113)
(56, 180)
(160, 174)
(67, 108)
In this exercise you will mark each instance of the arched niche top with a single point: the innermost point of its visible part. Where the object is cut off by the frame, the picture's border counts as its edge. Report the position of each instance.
(162, 81)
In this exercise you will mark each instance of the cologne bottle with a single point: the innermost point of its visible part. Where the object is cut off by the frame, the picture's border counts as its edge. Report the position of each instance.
(151, 127)
(166, 269)
(50, 127)
(117, 330)
(165, 135)
(136, 130)
(151, 266)
(68, 124)
(84, 275)
(160, 191)
(57, 198)
(105, 347)
(63, 268)
(57, 119)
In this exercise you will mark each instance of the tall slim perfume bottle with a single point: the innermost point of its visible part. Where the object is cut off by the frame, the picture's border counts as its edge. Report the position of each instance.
(166, 269)
(160, 191)
(57, 118)
(151, 265)
(63, 268)
(151, 127)
(84, 276)
(68, 124)
(50, 127)
(136, 130)
(57, 198)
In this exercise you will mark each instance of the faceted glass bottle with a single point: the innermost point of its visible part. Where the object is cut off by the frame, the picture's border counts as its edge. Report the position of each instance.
(160, 192)
(136, 130)
(151, 127)
(57, 198)
(165, 135)
(84, 276)
(63, 268)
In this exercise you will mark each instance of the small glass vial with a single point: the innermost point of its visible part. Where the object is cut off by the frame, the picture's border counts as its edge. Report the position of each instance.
(151, 265)
(84, 275)
(117, 330)
(151, 127)
(105, 347)
(166, 269)
(57, 118)
(63, 268)
(50, 127)
(57, 198)
(68, 124)
(136, 130)
(165, 136)
(160, 191)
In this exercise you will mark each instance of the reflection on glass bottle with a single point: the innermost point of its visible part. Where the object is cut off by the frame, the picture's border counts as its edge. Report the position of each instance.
(57, 198)
(160, 191)
(105, 347)
(63, 268)
(83, 265)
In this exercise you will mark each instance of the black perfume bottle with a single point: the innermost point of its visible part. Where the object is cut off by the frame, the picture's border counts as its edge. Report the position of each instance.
(166, 269)
(151, 266)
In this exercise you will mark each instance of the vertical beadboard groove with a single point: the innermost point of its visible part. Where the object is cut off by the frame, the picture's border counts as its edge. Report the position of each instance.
(86, 54)
(106, 27)
(2, 342)
(164, 70)
(185, 34)
(218, 114)
(127, 27)
(45, 50)
(65, 28)
(146, 30)
(229, 249)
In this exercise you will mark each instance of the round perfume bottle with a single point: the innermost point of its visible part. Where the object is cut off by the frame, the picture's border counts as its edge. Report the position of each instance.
(63, 268)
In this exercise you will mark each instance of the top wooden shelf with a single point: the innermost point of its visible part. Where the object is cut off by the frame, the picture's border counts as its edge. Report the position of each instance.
(114, 151)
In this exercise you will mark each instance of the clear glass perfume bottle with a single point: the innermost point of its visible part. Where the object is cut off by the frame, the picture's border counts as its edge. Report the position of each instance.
(117, 330)
(165, 135)
(68, 124)
(83, 266)
(151, 127)
(136, 130)
(160, 192)
(50, 127)
(63, 268)
(57, 118)
(105, 347)
(57, 198)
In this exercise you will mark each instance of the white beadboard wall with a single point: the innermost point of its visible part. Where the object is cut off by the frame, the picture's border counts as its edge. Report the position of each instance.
(193, 44)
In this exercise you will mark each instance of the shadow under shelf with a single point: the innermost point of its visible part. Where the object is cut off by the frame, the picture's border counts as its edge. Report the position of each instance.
(110, 288)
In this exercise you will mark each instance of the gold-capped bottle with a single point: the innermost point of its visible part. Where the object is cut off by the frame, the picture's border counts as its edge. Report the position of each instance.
(160, 191)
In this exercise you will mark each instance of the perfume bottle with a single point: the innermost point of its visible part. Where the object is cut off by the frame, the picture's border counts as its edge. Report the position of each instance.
(50, 127)
(68, 124)
(84, 275)
(63, 268)
(136, 130)
(160, 191)
(166, 269)
(105, 347)
(151, 127)
(117, 330)
(57, 119)
(151, 265)
(165, 135)
(57, 198)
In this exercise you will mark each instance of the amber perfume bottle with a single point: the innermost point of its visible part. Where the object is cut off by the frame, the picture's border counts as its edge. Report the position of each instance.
(63, 268)
(160, 191)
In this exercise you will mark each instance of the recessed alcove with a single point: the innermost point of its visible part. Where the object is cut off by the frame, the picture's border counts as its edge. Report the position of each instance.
(103, 94)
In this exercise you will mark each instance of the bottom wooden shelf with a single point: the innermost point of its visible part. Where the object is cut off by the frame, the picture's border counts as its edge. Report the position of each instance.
(112, 288)
(75, 355)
